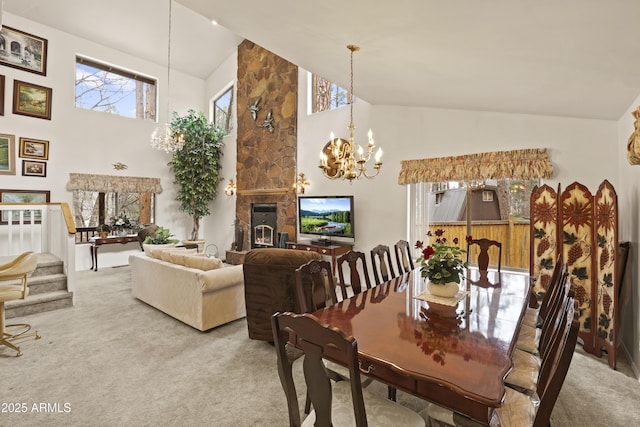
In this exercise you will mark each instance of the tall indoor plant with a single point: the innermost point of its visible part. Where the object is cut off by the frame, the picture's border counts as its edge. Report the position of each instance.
(196, 165)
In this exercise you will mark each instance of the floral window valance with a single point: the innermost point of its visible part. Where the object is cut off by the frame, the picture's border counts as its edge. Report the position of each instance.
(113, 184)
(523, 164)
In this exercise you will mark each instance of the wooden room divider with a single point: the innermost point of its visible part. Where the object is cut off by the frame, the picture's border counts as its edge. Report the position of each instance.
(583, 228)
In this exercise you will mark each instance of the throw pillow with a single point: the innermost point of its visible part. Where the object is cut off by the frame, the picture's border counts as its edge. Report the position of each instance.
(203, 263)
(178, 258)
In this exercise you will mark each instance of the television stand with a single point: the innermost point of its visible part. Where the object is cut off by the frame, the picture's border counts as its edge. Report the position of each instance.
(333, 249)
(322, 242)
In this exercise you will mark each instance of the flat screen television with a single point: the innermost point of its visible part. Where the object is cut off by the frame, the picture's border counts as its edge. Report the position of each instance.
(329, 216)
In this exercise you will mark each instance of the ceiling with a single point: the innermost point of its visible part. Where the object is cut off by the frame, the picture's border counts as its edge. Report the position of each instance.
(577, 58)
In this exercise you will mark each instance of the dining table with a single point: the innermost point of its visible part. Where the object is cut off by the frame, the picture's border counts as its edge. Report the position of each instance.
(455, 351)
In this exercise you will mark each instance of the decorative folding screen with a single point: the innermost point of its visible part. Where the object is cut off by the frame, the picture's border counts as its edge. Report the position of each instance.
(584, 229)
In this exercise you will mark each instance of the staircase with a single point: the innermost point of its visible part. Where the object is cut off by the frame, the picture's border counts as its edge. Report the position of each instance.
(47, 289)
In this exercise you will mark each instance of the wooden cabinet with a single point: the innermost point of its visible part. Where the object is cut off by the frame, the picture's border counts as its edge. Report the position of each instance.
(333, 251)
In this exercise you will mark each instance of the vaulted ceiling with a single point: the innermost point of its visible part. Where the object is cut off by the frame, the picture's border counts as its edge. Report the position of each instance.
(577, 58)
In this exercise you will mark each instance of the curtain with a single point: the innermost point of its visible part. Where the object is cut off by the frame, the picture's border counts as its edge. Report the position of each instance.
(523, 164)
(113, 184)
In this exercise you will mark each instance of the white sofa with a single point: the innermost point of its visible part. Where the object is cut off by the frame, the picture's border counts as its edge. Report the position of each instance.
(202, 299)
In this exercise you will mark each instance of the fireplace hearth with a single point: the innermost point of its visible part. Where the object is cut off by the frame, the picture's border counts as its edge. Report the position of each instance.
(264, 224)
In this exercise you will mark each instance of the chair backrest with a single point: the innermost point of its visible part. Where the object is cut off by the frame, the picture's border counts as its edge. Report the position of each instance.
(404, 261)
(315, 286)
(483, 256)
(318, 341)
(559, 270)
(149, 230)
(555, 367)
(351, 259)
(381, 264)
(20, 268)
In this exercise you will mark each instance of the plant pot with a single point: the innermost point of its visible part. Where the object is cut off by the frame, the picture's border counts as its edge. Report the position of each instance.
(104, 234)
(147, 246)
(447, 290)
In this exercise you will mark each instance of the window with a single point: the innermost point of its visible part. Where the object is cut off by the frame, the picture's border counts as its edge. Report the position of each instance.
(103, 87)
(499, 210)
(326, 95)
(222, 110)
(92, 208)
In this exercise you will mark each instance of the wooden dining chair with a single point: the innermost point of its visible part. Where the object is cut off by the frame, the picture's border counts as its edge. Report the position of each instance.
(534, 316)
(404, 261)
(340, 403)
(381, 264)
(483, 256)
(315, 286)
(358, 273)
(519, 409)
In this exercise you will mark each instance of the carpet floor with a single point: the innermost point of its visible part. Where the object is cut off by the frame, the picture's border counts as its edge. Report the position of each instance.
(112, 360)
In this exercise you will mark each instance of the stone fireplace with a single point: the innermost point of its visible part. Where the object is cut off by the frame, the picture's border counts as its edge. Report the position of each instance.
(266, 162)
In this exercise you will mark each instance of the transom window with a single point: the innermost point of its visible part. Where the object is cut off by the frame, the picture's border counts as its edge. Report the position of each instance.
(222, 110)
(106, 88)
(326, 95)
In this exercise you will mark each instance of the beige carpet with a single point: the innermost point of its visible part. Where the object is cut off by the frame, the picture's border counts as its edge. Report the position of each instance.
(112, 361)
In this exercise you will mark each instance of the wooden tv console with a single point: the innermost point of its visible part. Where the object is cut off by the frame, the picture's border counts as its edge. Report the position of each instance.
(333, 250)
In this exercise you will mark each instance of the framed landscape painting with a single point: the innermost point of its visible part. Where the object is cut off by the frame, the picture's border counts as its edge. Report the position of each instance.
(31, 100)
(23, 196)
(33, 168)
(7, 154)
(23, 50)
(34, 149)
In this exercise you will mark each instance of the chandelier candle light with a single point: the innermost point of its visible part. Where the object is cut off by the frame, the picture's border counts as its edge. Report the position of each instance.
(338, 158)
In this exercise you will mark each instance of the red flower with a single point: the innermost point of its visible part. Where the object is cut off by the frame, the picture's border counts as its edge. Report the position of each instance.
(455, 240)
(469, 238)
(429, 233)
(419, 244)
(439, 232)
(427, 252)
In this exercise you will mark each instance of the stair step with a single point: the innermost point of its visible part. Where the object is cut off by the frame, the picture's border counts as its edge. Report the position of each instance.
(38, 303)
(42, 284)
(48, 264)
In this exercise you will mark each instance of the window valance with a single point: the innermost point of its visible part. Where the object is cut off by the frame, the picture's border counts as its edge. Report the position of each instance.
(113, 184)
(523, 164)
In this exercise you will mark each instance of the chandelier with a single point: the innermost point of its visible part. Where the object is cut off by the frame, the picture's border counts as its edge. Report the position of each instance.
(163, 137)
(338, 158)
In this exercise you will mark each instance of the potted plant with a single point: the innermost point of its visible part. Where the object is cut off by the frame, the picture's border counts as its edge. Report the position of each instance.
(161, 238)
(120, 223)
(196, 165)
(103, 230)
(442, 264)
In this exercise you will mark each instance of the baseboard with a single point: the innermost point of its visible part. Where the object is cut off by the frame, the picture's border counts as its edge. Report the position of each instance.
(632, 363)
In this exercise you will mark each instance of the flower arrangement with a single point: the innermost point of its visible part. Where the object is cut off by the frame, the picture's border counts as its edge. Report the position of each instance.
(120, 222)
(441, 262)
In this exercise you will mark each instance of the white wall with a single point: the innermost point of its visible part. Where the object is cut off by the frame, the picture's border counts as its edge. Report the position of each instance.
(86, 141)
(574, 145)
(218, 227)
(629, 230)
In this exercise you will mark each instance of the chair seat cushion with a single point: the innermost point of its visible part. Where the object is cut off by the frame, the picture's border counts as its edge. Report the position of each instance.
(531, 317)
(524, 375)
(380, 411)
(11, 292)
(529, 339)
(518, 410)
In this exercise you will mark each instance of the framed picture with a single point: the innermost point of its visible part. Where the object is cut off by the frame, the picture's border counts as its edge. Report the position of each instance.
(1, 95)
(34, 168)
(23, 50)
(31, 100)
(7, 154)
(23, 196)
(34, 149)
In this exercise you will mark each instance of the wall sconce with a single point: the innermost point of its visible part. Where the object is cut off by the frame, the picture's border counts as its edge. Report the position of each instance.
(230, 189)
(300, 184)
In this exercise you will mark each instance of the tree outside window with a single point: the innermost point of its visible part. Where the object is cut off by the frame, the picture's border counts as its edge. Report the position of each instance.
(102, 87)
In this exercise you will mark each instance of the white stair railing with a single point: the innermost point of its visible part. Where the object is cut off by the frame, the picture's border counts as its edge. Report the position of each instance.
(40, 228)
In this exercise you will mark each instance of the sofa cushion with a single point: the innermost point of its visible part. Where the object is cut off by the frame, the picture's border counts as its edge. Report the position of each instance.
(178, 257)
(164, 254)
(202, 263)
